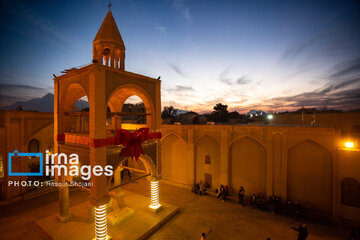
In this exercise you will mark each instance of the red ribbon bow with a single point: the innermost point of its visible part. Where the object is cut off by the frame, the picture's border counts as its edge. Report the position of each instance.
(132, 141)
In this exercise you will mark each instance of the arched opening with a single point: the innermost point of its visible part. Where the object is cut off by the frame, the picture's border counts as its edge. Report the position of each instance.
(147, 169)
(207, 171)
(350, 192)
(248, 166)
(132, 115)
(34, 146)
(74, 110)
(127, 169)
(130, 107)
(309, 176)
(175, 164)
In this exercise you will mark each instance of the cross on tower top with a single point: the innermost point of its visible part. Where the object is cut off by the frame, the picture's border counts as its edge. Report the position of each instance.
(109, 5)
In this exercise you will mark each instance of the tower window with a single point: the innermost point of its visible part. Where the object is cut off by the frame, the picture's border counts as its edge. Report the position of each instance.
(207, 159)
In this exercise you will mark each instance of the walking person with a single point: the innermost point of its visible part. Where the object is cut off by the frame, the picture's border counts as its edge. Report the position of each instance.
(302, 231)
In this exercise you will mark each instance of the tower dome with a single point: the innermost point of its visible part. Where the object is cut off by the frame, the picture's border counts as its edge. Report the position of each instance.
(108, 46)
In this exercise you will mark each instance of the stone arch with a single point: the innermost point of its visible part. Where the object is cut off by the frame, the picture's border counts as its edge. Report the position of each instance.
(248, 165)
(175, 158)
(146, 160)
(350, 192)
(208, 173)
(277, 162)
(118, 96)
(176, 134)
(251, 138)
(73, 92)
(69, 96)
(204, 136)
(309, 176)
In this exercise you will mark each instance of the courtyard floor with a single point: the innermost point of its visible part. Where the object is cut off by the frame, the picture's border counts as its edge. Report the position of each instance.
(223, 220)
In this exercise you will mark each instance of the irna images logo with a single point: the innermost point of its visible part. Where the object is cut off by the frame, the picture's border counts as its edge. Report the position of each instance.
(60, 167)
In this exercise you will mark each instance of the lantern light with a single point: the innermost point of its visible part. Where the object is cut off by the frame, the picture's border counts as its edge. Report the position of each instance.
(349, 144)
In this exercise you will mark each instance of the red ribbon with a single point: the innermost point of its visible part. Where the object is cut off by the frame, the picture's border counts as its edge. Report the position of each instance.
(130, 140)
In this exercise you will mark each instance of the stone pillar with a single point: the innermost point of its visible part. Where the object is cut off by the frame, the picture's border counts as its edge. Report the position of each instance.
(117, 63)
(117, 176)
(191, 157)
(224, 157)
(157, 121)
(97, 129)
(106, 61)
(112, 61)
(64, 203)
(122, 59)
(269, 163)
(59, 125)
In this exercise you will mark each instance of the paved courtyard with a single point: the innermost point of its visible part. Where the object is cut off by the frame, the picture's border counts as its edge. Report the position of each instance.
(224, 220)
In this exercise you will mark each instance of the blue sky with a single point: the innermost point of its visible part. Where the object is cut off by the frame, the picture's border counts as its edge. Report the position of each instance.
(268, 55)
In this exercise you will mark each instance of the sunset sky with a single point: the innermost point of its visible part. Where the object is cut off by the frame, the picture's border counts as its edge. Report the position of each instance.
(268, 55)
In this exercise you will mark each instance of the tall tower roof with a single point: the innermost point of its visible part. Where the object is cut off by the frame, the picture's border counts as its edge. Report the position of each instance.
(109, 32)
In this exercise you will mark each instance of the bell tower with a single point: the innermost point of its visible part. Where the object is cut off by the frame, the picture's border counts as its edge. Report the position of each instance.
(88, 133)
(108, 46)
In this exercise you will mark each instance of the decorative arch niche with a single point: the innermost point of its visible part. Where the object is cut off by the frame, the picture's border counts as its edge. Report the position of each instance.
(248, 165)
(206, 146)
(309, 176)
(175, 159)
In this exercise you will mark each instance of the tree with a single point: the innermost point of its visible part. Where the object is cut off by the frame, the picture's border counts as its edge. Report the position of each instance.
(220, 108)
(169, 112)
(221, 113)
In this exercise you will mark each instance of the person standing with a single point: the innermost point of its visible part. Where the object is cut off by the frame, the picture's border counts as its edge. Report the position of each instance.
(302, 231)
(241, 195)
(253, 200)
(203, 236)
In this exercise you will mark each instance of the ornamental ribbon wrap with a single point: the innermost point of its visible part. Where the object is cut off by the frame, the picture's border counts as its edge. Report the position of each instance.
(130, 140)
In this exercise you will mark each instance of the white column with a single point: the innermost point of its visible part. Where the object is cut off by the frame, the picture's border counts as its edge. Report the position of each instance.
(154, 195)
(101, 223)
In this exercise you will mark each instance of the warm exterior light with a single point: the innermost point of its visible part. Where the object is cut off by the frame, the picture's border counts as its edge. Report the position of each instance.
(101, 223)
(154, 195)
(132, 126)
(270, 116)
(349, 144)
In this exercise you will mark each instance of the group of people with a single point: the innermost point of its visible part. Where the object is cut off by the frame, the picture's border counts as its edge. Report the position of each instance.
(199, 188)
(274, 204)
(222, 192)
